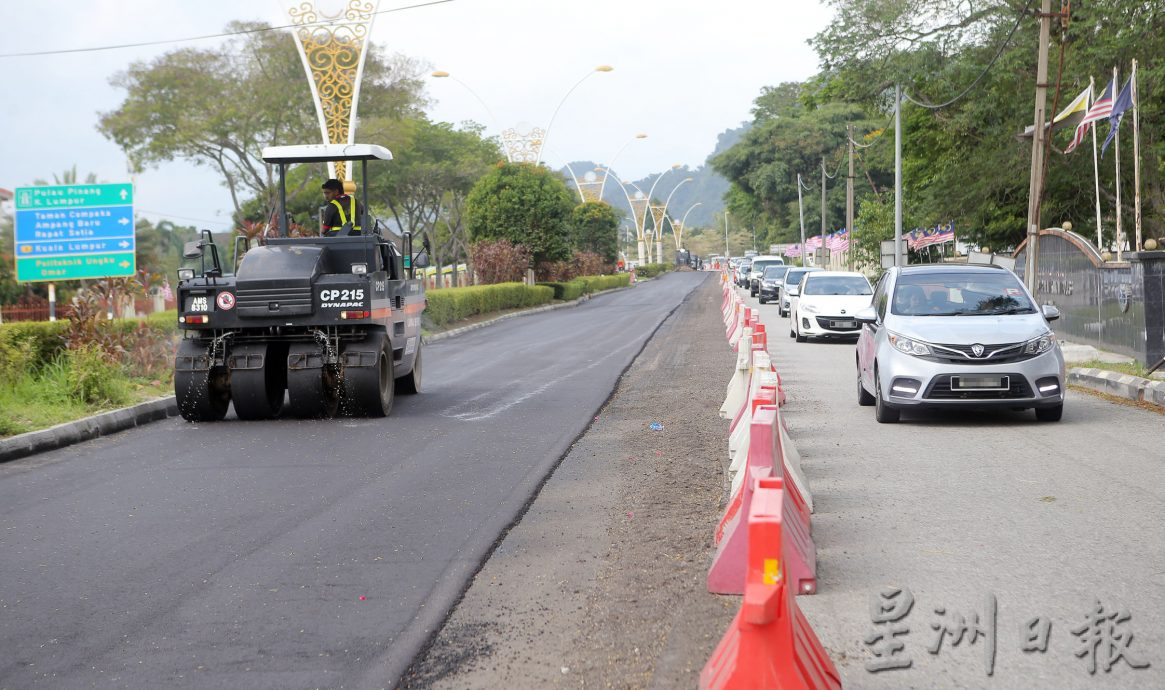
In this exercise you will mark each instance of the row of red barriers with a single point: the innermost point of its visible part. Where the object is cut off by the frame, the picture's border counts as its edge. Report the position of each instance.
(764, 543)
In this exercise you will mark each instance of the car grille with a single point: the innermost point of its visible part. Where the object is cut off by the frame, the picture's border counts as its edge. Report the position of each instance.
(281, 301)
(1005, 353)
(940, 389)
(829, 321)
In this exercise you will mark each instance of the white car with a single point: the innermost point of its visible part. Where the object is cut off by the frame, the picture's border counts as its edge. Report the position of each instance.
(826, 305)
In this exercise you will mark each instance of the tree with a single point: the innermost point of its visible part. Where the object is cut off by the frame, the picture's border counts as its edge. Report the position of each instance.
(221, 106)
(595, 228)
(526, 204)
(424, 188)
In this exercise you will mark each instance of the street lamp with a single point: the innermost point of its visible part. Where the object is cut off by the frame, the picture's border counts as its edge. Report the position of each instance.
(659, 233)
(683, 224)
(442, 74)
(611, 162)
(546, 133)
(650, 195)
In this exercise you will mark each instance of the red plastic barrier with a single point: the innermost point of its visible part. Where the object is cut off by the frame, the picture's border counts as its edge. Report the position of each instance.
(770, 644)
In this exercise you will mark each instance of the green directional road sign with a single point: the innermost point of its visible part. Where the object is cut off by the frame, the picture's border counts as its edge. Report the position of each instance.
(74, 195)
(66, 232)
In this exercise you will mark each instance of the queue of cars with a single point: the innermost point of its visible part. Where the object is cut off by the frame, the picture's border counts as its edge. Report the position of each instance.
(929, 336)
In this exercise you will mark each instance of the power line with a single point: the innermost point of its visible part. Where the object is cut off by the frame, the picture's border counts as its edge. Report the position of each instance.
(982, 74)
(95, 49)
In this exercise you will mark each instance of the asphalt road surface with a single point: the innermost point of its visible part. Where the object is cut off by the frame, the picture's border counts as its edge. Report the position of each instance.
(958, 508)
(291, 553)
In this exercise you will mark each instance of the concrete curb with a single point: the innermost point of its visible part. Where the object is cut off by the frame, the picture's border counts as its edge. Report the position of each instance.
(86, 429)
(1121, 385)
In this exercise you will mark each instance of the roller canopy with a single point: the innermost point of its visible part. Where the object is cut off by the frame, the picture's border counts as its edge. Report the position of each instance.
(324, 153)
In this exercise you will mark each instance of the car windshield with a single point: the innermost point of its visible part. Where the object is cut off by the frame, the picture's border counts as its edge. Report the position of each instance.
(775, 272)
(960, 294)
(760, 266)
(837, 285)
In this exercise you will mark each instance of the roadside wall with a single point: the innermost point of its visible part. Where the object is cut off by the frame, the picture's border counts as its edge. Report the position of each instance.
(1114, 306)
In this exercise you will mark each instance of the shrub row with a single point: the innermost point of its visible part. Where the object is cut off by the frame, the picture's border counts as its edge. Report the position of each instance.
(36, 344)
(585, 285)
(447, 305)
(652, 270)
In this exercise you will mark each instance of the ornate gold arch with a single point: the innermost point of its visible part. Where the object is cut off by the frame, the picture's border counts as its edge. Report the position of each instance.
(333, 48)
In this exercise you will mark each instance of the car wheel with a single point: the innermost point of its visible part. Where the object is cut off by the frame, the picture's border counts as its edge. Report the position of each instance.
(762, 300)
(864, 397)
(1050, 414)
(882, 413)
(797, 325)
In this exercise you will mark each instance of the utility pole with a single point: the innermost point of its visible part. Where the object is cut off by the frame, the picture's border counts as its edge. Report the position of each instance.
(898, 173)
(822, 208)
(801, 210)
(1036, 188)
(849, 194)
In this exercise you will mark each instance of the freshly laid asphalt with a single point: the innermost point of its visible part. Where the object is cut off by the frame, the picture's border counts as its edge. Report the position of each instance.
(959, 507)
(296, 553)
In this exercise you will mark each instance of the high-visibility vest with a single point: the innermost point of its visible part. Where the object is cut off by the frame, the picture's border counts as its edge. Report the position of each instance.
(352, 211)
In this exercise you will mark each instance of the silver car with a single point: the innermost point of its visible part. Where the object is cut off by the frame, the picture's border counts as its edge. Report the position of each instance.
(792, 285)
(958, 337)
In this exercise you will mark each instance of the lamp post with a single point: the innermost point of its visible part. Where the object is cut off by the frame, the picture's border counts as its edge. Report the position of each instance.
(637, 222)
(611, 163)
(546, 133)
(659, 234)
(650, 194)
(726, 236)
(442, 74)
(683, 224)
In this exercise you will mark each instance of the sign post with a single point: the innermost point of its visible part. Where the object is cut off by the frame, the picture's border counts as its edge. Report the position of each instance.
(69, 232)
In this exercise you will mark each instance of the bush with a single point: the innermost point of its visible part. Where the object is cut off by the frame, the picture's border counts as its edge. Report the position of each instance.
(93, 377)
(652, 270)
(45, 340)
(446, 305)
(499, 261)
(567, 291)
(585, 285)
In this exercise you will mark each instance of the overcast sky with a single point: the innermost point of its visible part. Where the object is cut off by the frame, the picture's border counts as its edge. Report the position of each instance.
(684, 71)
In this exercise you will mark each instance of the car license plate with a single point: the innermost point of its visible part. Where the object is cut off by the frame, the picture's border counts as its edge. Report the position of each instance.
(845, 324)
(980, 383)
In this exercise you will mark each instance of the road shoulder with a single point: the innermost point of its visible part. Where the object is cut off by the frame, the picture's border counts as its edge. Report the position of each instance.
(602, 582)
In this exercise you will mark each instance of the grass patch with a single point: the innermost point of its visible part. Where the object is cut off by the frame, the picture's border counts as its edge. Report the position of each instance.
(1132, 368)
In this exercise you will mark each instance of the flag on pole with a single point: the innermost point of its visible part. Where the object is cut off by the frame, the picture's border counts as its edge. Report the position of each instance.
(813, 242)
(167, 293)
(1100, 109)
(793, 251)
(1078, 105)
(1122, 103)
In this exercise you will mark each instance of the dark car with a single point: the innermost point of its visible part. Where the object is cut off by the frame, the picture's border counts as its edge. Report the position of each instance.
(771, 282)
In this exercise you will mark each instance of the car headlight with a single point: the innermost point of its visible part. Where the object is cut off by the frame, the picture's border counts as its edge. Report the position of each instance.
(909, 346)
(185, 274)
(811, 308)
(1040, 345)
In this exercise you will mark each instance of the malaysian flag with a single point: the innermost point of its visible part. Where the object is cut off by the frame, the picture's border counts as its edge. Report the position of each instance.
(167, 293)
(813, 243)
(793, 250)
(912, 238)
(936, 235)
(1100, 109)
(838, 241)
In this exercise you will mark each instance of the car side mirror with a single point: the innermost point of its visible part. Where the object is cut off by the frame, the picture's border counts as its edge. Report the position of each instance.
(1051, 313)
(866, 315)
(421, 261)
(192, 249)
(794, 291)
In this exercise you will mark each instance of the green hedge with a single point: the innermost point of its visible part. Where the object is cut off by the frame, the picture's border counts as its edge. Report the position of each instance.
(44, 341)
(585, 285)
(652, 270)
(446, 305)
